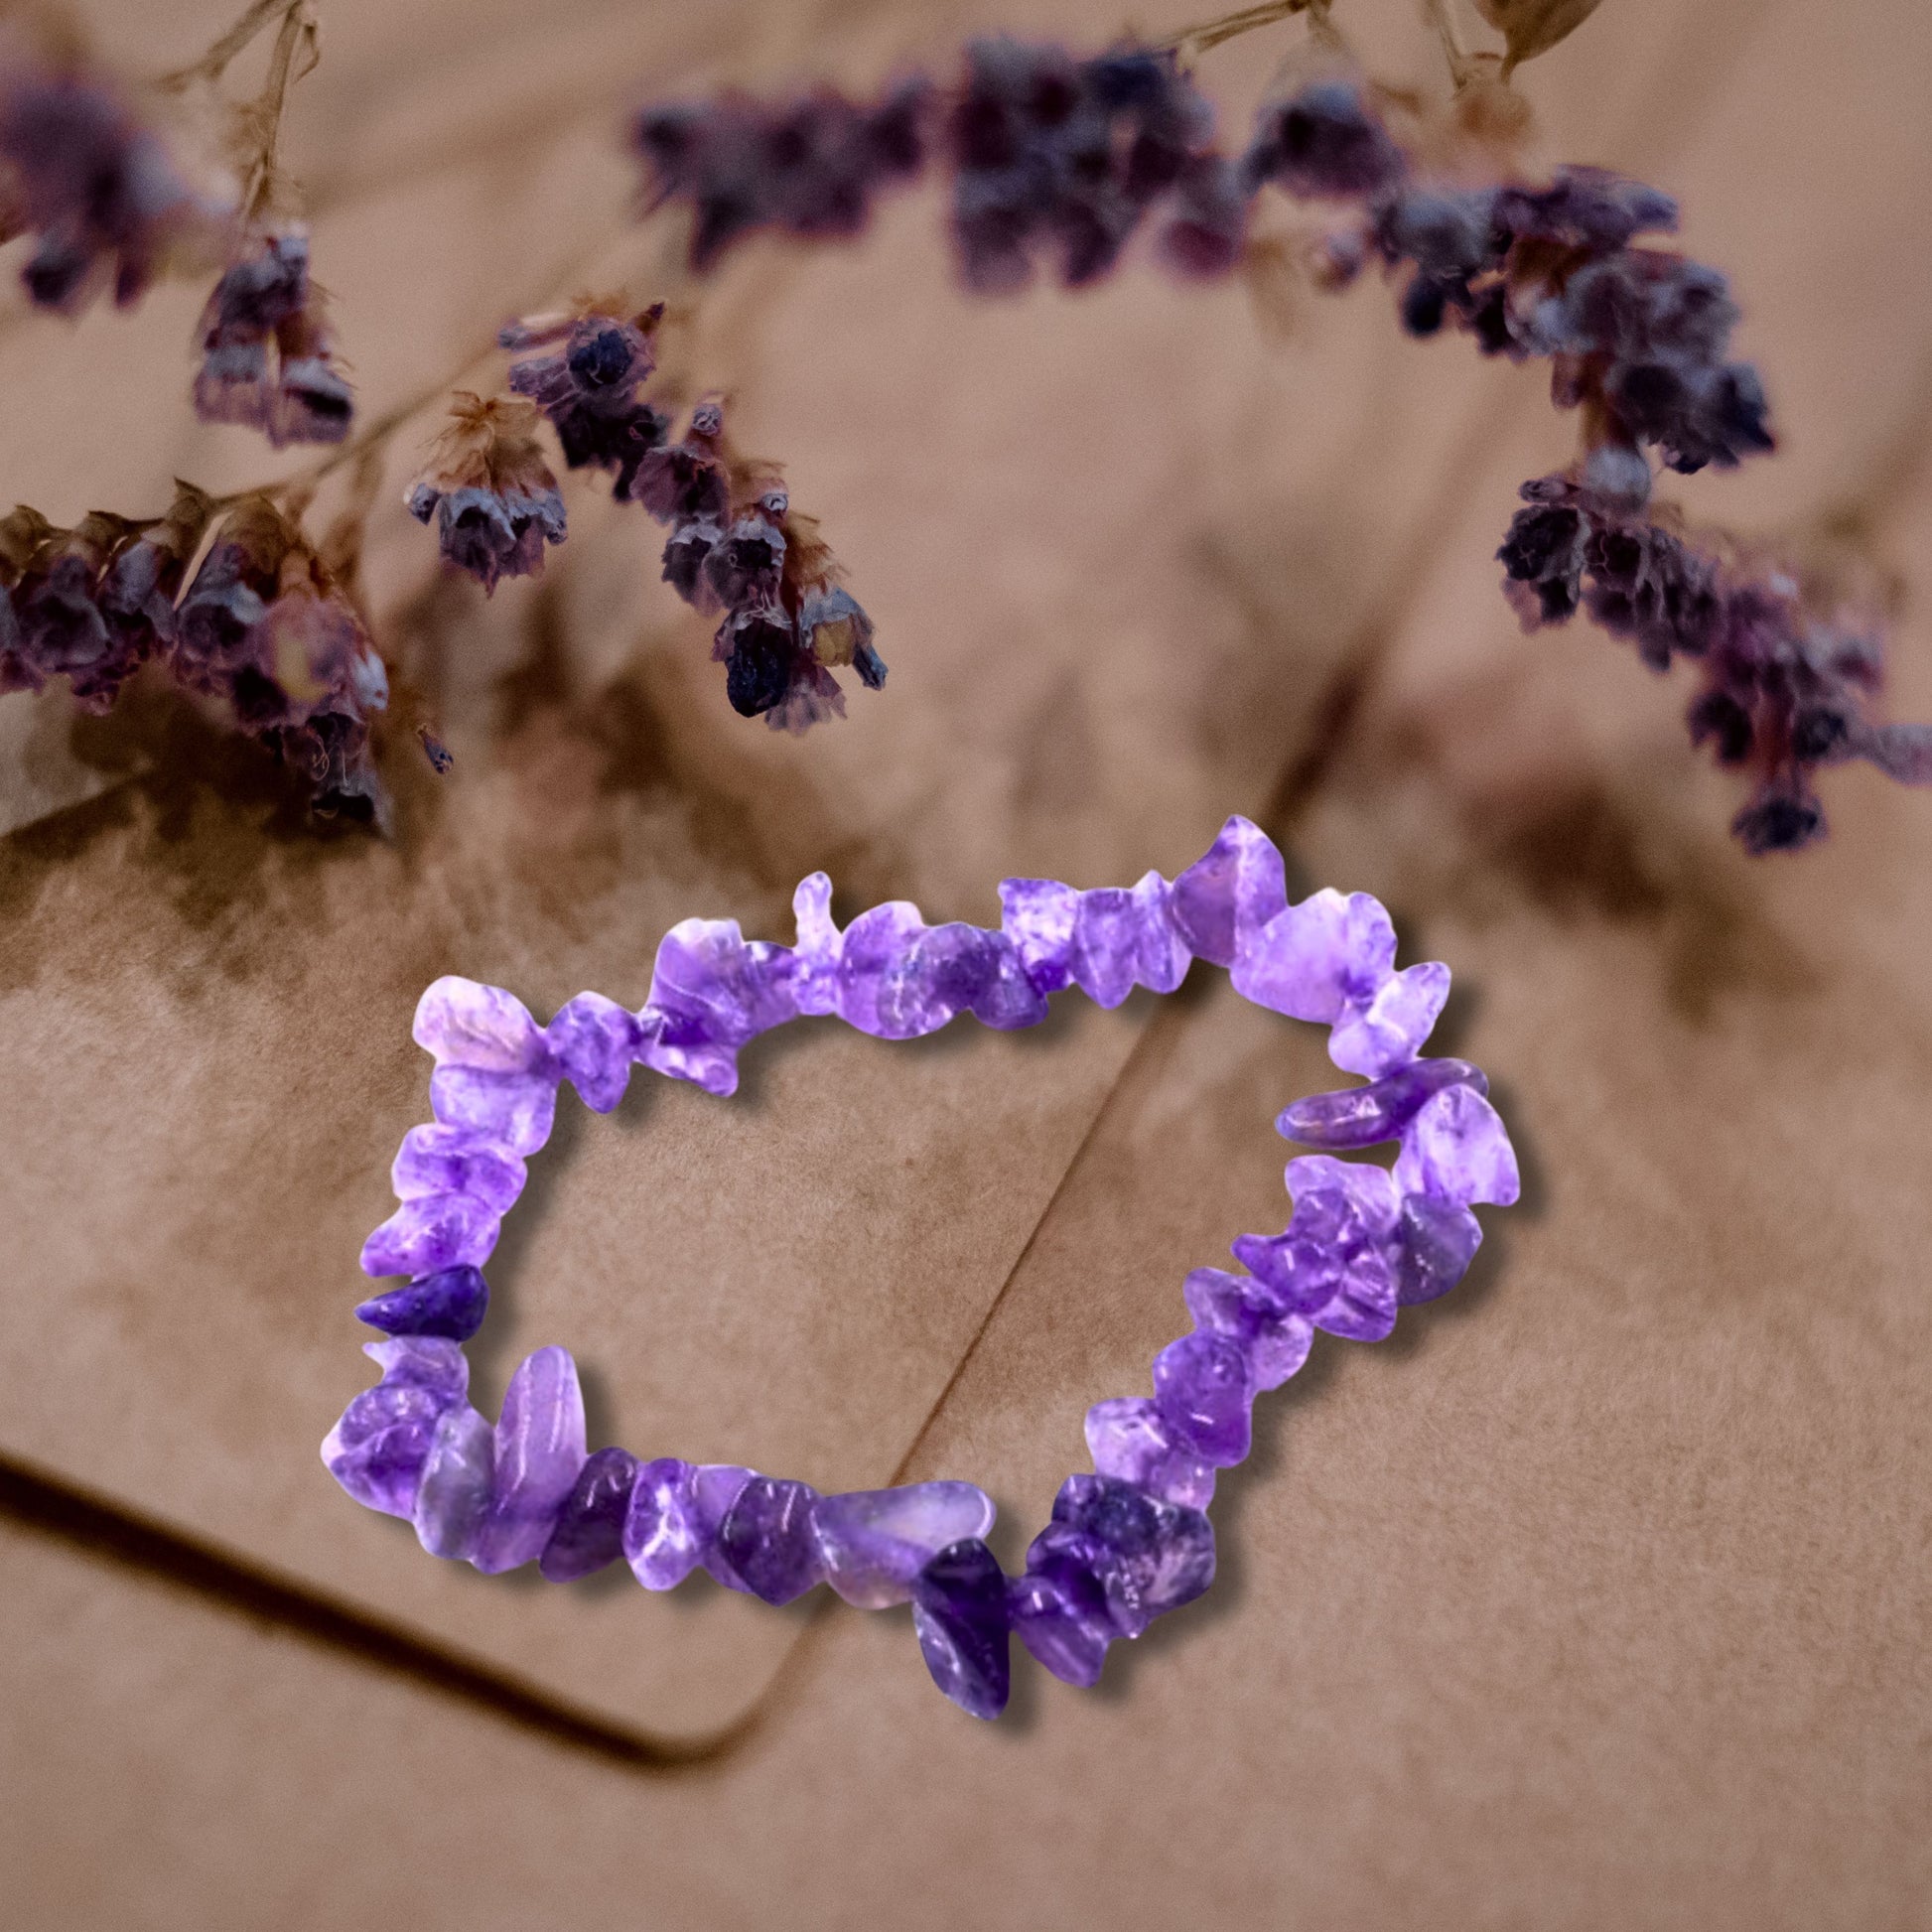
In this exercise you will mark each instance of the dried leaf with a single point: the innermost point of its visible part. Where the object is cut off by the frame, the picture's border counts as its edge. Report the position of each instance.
(1533, 27)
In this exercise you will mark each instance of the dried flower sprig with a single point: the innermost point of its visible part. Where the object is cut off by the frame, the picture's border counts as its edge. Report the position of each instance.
(734, 551)
(266, 629)
(85, 166)
(268, 356)
(1058, 161)
(107, 195)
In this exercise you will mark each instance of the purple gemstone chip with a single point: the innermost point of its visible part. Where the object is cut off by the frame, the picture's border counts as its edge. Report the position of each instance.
(767, 1538)
(589, 1533)
(959, 1610)
(451, 1303)
(873, 1541)
(1223, 900)
(1204, 1387)
(1360, 1117)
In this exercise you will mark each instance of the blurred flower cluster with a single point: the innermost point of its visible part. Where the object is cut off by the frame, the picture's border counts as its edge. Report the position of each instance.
(1057, 162)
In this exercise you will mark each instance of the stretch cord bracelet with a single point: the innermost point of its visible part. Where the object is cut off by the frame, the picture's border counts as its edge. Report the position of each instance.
(1126, 1543)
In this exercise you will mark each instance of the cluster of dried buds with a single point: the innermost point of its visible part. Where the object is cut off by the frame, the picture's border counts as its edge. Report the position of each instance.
(1061, 162)
(267, 356)
(264, 628)
(88, 169)
(735, 550)
(107, 201)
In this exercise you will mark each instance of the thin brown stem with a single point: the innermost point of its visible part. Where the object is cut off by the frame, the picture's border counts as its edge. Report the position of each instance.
(215, 62)
(299, 29)
(1442, 20)
(1209, 34)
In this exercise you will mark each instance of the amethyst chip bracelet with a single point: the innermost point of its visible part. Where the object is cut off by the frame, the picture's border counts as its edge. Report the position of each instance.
(1126, 1543)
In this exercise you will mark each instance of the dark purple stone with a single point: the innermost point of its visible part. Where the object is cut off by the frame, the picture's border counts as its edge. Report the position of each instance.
(959, 1610)
(767, 1539)
(452, 1302)
(1146, 1557)
(590, 1528)
(1364, 1116)
(1204, 1387)
(1063, 1619)
(1434, 1243)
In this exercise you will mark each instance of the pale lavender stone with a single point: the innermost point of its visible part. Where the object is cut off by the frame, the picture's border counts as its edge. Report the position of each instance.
(539, 1450)
(438, 1231)
(1434, 1246)
(873, 955)
(1248, 1311)
(1358, 1117)
(518, 1109)
(378, 1451)
(767, 1539)
(716, 992)
(1037, 915)
(466, 1025)
(952, 969)
(662, 1538)
(451, 1303)
(1223, 900)
(815, 983)
(457, 1160)
(1123, 938)
(873, 1541)
(1204, 1390)
(1063, 1620)
(453, 1499)
(1146, 1556)
(595, 1041)
(1129, 1441)
(1457, 1151)
(1387, 1032)
(1313, 959)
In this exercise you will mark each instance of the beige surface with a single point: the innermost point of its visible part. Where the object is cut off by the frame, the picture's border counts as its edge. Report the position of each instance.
(1596, 1599)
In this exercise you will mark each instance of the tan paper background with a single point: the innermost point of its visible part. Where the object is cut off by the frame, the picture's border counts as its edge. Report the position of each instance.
(1596, 1599)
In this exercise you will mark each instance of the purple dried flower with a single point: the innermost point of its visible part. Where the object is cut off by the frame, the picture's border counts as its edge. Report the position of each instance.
(807, 167)
(588, 387)
(266, 301)
(265, 628)
(1788, 679)
(1325, 141)
(97, 186)
(688, 481)
(838, 631)
(759, 649)
(1056, 155)
(685, 552)
(94, 602)
(745, 567)
(493, 498)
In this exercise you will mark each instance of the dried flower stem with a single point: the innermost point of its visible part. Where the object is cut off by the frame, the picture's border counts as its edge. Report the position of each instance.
(298, 30)
(217, 61)
(1438, 15)
(1209, 34)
